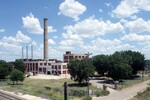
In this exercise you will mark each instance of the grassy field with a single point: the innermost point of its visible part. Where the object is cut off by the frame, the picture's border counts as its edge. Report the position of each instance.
(49, 89)
(131, 82)
(143, 95)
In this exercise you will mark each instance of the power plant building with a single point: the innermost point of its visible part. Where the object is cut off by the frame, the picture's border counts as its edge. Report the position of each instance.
(45, 65)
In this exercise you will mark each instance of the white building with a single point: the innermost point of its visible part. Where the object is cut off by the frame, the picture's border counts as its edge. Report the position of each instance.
(38, 66)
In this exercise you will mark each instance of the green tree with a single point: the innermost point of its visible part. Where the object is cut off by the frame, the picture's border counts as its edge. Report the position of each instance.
(19, 64)
(101, 63)
(120, 71)
(16, 75)
(80, 70)
(135, 59)
(5, 69)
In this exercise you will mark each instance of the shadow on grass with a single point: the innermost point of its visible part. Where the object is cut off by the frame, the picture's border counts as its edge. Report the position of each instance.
(78, 85)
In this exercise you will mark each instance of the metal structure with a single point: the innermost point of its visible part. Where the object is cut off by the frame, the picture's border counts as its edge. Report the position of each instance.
(31, 51)
(27, 52)
(88, 55)
(45, 39)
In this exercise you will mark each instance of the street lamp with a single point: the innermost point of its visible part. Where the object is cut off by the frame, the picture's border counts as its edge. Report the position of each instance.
(88, 54)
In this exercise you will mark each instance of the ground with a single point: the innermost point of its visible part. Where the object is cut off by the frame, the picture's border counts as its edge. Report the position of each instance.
(124, 94)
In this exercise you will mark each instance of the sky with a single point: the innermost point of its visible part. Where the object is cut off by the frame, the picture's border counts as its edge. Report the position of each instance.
(80, 26)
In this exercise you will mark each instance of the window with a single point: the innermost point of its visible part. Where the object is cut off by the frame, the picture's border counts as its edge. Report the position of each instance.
(64, 66)
(59, 72)
(40, 69)
(59, 66)
(70, 57)
(41, 64)
(49, 64)
(65, 57)
(45, 64)
(52, 66)
(64, 72)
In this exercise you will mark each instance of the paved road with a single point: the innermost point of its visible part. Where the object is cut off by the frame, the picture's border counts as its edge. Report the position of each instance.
(100, 85)
(126, 93)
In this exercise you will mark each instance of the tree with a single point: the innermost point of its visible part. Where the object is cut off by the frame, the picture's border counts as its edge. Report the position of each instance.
(16, 75)
(101, 63)
(5, 69)
(19, 64)
(135, 59)
(80, 70)
(120, 71)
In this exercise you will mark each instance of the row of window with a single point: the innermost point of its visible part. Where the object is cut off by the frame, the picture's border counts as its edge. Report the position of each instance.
(45, 64)
(58, 66)
(71, 57)
(53, 67)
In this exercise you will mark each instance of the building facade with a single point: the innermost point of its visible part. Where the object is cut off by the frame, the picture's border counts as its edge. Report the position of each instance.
(69, 56)
(50, 67)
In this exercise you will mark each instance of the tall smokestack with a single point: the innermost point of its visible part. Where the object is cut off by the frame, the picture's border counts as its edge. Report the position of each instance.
(22, 54)
(31, 51)
(45, 39)
(27, 52)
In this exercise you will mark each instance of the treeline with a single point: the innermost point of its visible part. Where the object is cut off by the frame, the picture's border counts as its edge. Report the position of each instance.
(120, 65)
(13, 71)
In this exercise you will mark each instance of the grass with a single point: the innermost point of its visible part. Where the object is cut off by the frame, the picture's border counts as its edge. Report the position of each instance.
(131, 82)
(143, 95)
(37, 87)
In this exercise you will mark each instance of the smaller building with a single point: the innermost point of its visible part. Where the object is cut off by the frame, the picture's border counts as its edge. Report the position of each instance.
(69, 56)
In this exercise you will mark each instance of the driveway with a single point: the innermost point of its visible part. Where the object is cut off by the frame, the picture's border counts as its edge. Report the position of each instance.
(126, 93)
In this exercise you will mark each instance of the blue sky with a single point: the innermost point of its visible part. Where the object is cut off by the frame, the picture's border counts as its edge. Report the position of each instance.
(80, 26)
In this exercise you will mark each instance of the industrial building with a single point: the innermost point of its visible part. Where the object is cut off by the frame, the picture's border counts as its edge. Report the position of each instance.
(45, 65)
(69, 56)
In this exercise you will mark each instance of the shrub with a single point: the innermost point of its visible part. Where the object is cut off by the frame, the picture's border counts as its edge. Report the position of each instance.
(98, 93)
(86, 98)
(105, 92)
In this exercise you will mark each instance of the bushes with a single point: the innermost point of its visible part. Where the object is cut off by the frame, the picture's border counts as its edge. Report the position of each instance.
(86, 98)
(101, 93)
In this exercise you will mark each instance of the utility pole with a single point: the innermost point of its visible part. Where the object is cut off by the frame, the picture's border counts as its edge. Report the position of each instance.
(65, 91)
(88, 55)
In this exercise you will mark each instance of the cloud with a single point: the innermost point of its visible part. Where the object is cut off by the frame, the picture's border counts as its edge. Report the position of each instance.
(106, 46)
(72, 8)
(92, 27)
(51, 29)
(32, 24)
(50, 41)
(138, 25)
(108, 5)
(100, 10)
(71, 42)
(136, 37)
(127, 8)
(34, 43)
(12, 45)
(2, 30)
(19, 38)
